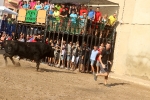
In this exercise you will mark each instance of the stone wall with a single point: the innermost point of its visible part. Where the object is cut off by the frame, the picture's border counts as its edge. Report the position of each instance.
(132, 55)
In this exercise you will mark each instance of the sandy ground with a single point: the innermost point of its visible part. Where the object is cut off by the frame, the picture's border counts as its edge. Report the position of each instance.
(25, 83)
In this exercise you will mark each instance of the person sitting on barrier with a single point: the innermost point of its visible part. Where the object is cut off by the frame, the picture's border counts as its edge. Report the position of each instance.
(25, 5)
(38, 6)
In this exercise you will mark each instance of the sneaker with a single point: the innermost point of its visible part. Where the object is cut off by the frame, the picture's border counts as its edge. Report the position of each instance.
(57, 66)
(62, 66)
(95, 77)
(67, 68)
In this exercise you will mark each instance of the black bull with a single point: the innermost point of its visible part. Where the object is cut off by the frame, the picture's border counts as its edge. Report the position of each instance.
(33, 51)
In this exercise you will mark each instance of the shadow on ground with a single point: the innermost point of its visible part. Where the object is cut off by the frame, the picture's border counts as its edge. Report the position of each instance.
(114, 84)
(50, 70)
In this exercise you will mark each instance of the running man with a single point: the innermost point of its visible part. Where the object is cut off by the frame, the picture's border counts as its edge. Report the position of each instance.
(103, 59)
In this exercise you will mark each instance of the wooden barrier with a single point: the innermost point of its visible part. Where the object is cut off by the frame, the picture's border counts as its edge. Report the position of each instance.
(21, 15)
(41, 16)
(32, 16)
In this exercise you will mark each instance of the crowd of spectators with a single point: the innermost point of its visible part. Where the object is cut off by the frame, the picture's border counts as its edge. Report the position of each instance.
(74, 18)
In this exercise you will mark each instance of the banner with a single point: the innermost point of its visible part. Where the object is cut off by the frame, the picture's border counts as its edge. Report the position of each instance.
(31, 16)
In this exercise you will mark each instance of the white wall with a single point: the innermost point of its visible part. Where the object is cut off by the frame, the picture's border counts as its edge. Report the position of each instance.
(1, 2)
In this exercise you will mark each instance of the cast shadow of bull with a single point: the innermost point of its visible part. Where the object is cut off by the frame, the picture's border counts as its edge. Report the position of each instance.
(33, 51)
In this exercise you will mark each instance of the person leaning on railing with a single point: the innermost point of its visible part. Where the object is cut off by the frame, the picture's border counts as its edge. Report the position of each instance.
(82, 23)
(56, 16)
(38, 6)
(91, 17)
(63, 16)
(25, 5)
(104, 21)
(111, 22)
(73, 21)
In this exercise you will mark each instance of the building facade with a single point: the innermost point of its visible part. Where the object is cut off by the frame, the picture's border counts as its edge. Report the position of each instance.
(132, 52)
(11, 4)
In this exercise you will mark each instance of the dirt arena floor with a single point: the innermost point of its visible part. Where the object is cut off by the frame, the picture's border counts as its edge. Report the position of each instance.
(25, 83)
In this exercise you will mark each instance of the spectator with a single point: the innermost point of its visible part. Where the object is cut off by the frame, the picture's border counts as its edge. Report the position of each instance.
(91, 17)
(73, 60)
(111, 22)
(57, 55)
(91, 14)
(63, 16)
(72, 8)
(21, 39)
(83, 10)
(62, 55)
(28, 38)
(103, 24)
(14, 36)
(32, 4)
(51, 6)
(56, 16)
(93, 58)
(68, 54)
(38, 6)
(4, 23)
(82, 22)
(57, 6)
(46, 41)
(73, 19)
(25, 5)
(46, 6)
(97, 20)
(34, 38)
(20, 4)
(9, 27)
(62, 7)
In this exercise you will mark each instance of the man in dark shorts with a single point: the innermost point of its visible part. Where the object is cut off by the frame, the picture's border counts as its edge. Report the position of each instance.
(103, 59)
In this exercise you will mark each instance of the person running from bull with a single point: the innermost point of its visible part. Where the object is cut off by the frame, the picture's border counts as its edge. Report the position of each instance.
(103, 63)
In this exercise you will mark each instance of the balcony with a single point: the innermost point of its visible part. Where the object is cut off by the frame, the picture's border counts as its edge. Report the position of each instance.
(13, 2)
